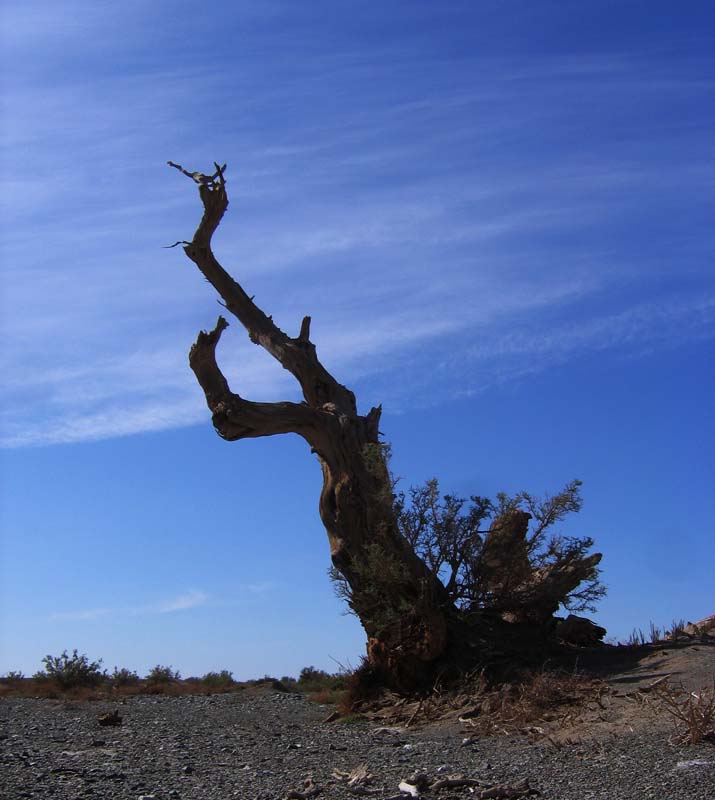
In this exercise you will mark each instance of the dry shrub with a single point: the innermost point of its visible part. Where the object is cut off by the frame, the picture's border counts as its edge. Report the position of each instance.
(44, 688)
(677, 630)
(12, 684)
(129, 690)
(362, 686)
(693, 712)
(636, 639)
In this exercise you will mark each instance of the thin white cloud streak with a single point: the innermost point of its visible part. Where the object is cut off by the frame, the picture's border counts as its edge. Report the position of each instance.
(193, 598)
(676, 321)
(433, 246)
(81, 616)
(500, 357)
(40, 24)
(153, 390)
(186, 601)
(259, 587)
(632, 332)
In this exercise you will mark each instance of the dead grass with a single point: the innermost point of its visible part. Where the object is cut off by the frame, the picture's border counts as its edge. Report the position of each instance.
(545, 696)
(47, 689)
(333, 697)
(548, 697)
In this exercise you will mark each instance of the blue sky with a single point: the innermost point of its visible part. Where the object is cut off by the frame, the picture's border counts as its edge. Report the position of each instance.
(499, 216)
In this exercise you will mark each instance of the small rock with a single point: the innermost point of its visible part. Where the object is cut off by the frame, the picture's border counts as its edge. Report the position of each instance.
(111, 718)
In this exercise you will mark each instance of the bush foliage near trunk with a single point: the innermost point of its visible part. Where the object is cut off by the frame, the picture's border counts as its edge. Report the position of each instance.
(485, 561)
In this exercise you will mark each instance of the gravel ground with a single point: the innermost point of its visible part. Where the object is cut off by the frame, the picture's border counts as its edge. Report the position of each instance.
(260, 746)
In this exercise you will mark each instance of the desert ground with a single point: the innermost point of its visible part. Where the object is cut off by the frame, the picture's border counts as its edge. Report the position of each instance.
(606, 733)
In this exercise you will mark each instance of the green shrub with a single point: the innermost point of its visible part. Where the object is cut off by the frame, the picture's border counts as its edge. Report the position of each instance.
(161, 674)
(70, 671)
(219, 679)
(318, 680)
(124, 677)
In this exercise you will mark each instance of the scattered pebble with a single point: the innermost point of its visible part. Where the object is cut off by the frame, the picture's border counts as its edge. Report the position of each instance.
(239, 746)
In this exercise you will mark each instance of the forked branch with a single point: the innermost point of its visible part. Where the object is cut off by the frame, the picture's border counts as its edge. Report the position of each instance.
(237, 418)
(297, 355)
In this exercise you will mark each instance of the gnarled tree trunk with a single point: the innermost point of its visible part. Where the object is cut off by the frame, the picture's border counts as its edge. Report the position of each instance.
(404, 608)
(414, 629)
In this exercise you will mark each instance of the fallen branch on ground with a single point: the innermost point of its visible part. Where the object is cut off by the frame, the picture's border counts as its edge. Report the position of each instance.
(420, 783)
(309, 790)
(356, 780)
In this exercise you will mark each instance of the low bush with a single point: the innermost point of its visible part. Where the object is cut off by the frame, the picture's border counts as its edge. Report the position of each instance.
(219, 680)
(162, 674)
(677, 629)
(124, 677)
(363, 685)
(72, 671)
(313, 680)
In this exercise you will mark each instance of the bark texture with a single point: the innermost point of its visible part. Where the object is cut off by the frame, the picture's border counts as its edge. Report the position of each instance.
(403, 607)
(518, 591)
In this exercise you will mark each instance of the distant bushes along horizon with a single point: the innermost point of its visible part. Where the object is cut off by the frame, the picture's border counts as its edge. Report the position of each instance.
(75, 673)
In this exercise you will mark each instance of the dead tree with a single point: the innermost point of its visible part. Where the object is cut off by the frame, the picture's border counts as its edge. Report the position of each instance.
(402, 606)
(413, 628)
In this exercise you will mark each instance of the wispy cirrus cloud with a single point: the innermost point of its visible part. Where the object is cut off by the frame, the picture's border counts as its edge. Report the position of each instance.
(185, 601)
(193, 598)
(84, 615)
(408, 224)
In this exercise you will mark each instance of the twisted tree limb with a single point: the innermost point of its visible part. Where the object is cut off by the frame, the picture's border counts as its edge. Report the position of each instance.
(403, 607)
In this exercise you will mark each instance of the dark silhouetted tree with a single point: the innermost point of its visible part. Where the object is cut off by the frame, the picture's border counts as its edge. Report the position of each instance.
(392, 562)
